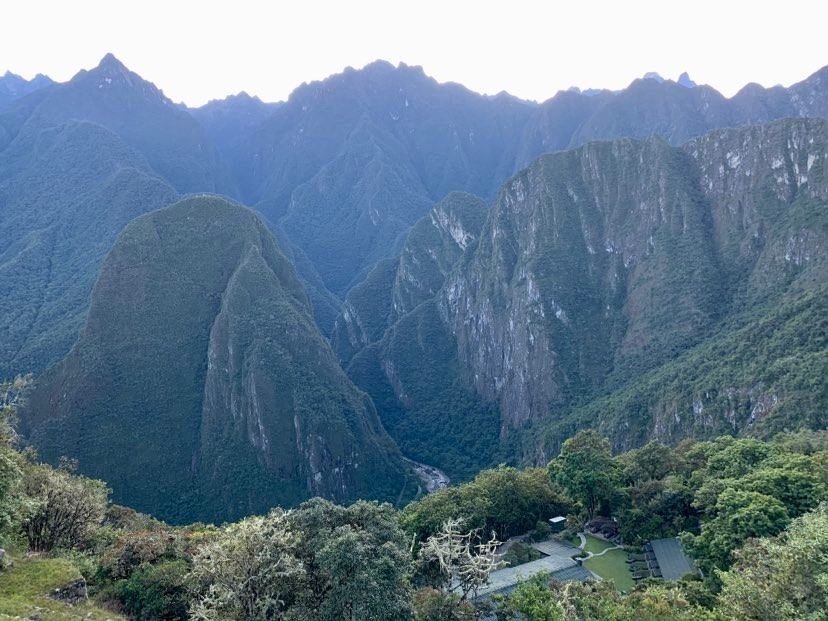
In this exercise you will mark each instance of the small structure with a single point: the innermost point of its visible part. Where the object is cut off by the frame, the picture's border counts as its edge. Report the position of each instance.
(671, 563)
(605, 527)
(557, 523)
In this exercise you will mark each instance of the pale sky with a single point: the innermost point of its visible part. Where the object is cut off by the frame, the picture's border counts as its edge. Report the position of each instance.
(196, 51)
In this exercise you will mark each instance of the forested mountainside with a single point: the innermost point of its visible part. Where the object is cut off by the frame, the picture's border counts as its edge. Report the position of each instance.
(493, 275)
(347, 165)
(340, 171)
(78, 161)
(594, 267)
(66, 191)
(200, 387)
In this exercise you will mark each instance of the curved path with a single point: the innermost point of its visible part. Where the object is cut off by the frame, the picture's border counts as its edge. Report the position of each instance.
(590, 555)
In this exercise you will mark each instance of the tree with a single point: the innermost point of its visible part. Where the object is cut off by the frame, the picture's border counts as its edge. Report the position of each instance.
(463, 559)
(156, 592)
(355, 562)
(432, 604)
(505, 500)
(249, 572)
(794, 480)
(13, 502)
(653, 461)
(532, 600)
(784, 578)
(586, 470)
(739, 515)
(66, 508)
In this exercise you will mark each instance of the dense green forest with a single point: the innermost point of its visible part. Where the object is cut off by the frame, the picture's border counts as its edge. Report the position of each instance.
(753, 514)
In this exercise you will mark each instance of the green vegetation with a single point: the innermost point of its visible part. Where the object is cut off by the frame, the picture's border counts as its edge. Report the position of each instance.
(573, 309)
(201, 388)
(26, 587)
(395, 344)
(613, 566)
(585, 469)
(520, 553)
(774, 360)
(753, 514)
(595, 545)
(504, 500)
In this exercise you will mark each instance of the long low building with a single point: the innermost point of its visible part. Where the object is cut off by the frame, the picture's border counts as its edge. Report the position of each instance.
(672, 561)
(558, 563)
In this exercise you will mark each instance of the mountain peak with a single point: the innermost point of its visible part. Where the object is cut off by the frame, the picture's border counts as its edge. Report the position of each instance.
(685, 81)
(110, 65)
(653, 75)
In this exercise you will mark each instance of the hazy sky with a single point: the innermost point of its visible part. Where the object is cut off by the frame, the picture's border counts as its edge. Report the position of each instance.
(196, 51)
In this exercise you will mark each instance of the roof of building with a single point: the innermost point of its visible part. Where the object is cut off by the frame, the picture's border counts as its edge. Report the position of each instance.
(570, 574)
(558, 518)
(671, 558)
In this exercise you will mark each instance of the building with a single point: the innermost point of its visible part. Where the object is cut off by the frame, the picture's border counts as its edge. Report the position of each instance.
(557, 523)
(670, 560)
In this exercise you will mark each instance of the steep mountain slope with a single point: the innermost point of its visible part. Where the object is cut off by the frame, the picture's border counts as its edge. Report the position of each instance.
(599, 264)
(14, 87)
(173, 143)
(667, 108)
(398, 350)
(347, 165)
(397, 286)
(230, 121)
(77, 162)
(765, 374)
(200, 387)
(64, 197)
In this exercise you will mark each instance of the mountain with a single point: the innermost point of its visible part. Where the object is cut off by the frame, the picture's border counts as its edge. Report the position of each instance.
(340, 172)
(200, 388)
(663, 107)
(228, 121)
(173, 143)
(594, 268)
(395, 347)
(13, 87)
(78, 161)
(347, 165)
(65, 194)
(685, 81)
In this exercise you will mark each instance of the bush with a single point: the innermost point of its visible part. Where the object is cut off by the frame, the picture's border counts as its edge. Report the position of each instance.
(156, 592)
(67, 508)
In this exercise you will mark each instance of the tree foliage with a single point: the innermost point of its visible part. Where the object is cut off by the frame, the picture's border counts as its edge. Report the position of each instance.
(782, 578)
(67, 508)
(586, 470)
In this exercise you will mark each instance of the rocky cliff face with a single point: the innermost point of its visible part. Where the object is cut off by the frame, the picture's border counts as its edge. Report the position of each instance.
(597, 266)
(346, 166)
(396, 348)
(200, 368)
(395, 287)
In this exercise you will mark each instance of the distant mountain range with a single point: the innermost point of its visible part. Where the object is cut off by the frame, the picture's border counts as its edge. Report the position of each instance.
(493, 273)
(12, 86)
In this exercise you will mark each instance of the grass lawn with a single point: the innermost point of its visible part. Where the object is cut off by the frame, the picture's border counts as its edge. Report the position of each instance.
(595, 545)
(25, 587)
(573, 540)
(612, 566)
